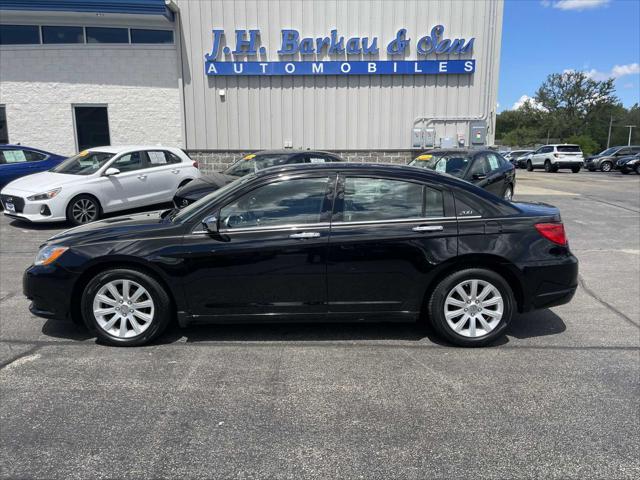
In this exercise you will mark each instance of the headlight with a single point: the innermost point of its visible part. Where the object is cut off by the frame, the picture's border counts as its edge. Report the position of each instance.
(49, 254)
(45, 195)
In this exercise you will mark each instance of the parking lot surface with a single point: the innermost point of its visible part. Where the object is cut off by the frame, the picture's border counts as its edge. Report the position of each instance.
(558, 397)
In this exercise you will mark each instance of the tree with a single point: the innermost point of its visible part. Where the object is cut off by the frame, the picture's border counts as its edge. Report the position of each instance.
(571, 98)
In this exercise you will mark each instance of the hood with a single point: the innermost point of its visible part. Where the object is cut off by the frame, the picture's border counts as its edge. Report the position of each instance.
(43, 181)
(119, 228)
(202, 186)
(629, 159)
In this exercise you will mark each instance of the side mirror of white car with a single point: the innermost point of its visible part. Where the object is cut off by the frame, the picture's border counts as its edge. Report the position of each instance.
(111, 171)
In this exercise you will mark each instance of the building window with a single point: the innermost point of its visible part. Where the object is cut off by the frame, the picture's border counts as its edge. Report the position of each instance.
(151, 36)
(4, 131)
(92, 126)
(62, 34)
(19, 34)
(107, 35)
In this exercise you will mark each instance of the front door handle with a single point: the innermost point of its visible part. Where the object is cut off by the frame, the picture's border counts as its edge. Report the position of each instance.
(303, 235)
(428, 228)
(175, 171)
(142, 177)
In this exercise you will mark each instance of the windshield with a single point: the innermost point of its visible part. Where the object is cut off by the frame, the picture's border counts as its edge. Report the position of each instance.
(451, 163)
(84, 163)
(254, 162)
(609, 151)
(189, 210)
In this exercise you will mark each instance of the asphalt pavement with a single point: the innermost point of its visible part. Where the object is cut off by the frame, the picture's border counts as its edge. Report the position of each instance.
(557, 397)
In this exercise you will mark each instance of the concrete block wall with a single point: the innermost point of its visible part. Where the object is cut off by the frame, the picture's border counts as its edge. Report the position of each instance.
(216, 161)
(39, 85)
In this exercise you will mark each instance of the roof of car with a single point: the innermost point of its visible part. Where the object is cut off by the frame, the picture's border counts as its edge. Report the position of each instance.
(116, 149)
(289, 151)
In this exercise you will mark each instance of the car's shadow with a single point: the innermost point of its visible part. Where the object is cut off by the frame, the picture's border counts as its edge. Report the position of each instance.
(537, 324)
(64, 225)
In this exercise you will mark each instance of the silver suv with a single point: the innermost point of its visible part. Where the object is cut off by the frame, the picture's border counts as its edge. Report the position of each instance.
(554, 157)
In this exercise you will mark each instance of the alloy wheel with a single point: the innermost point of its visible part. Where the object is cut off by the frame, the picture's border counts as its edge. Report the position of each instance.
(123, 308)
(606, 167)
(84, 210)
(508, 194)
(473, 308)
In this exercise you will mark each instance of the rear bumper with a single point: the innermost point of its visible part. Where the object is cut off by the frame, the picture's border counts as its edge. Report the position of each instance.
(568, 164)
(549, 285)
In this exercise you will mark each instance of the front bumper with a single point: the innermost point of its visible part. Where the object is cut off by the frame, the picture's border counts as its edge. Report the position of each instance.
(49, 289)
(32, 211)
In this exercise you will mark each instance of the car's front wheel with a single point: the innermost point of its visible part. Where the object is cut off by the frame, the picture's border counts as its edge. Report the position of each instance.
(529, 166)
(471, 307)
(126, 307)
(83, 209)
(606, 166)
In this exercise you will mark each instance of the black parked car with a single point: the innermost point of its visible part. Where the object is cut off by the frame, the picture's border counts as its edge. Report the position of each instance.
(606, 161)
(629, 164)
(312, 242)
(485, 168)
(251, 163)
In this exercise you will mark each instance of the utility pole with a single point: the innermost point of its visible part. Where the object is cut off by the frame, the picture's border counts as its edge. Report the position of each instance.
(630, 127)
(609, 136)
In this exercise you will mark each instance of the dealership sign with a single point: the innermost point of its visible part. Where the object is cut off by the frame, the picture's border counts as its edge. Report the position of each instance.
(254, 62)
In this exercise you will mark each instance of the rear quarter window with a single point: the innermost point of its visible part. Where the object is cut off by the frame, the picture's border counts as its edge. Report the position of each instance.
(568, 149)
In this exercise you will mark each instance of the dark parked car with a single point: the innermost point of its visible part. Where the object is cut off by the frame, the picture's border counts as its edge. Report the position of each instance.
(342, 242)
(513, 156)
(606, 161)
(484, 168)
(17, 161)
(248, 164)
(629, 164)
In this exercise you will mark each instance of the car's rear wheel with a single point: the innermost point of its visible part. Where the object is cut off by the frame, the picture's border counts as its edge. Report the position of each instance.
(471, 307)
(529, 166)
(126, 307)
(606, 166)
(547, 166)
(83, 209)
(575, 169)
(508, 193)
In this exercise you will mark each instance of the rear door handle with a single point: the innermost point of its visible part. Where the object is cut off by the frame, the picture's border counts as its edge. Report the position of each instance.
(428, 228)
(175, 171)
(142, 177)
(303, 235)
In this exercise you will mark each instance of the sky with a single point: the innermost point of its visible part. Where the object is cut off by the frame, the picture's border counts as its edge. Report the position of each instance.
(540, 37)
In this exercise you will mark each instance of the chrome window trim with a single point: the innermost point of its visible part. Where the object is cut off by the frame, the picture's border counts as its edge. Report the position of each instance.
(325, 225)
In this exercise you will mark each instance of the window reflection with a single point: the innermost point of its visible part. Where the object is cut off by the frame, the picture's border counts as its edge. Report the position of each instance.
(297, 201)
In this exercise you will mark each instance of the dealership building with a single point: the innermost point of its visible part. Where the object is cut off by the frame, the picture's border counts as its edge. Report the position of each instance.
(372, 80)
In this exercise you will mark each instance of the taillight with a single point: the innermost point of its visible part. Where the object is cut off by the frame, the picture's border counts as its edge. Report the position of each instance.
(557, 155)
(553, 232)
(195, 164)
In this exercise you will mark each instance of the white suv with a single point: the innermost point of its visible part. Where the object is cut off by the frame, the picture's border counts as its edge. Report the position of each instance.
(554, 157)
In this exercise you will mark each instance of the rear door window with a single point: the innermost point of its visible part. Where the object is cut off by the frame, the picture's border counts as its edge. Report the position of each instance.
(13, 156)
(369, 199)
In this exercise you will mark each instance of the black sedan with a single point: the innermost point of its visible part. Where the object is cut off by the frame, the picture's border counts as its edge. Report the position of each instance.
(338, 242)
(484, 168)
(251, 163)
(629, 164)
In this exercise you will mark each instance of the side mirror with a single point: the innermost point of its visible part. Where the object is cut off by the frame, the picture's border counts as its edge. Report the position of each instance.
(210, 224)
(111, 171)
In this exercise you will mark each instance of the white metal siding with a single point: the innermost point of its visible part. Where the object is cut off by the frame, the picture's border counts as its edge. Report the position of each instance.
(335, 112)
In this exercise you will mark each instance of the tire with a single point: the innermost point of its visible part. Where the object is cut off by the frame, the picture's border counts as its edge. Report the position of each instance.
(547, 166)
(606, 166)
(446, 290)
(109, 328)
(638, 169)
(529, 166)
(80, 204)
(575, 169)
(508, 193)
(624, 172)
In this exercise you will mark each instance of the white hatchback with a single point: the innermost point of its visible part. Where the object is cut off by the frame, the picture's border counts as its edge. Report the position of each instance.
(99, 180)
